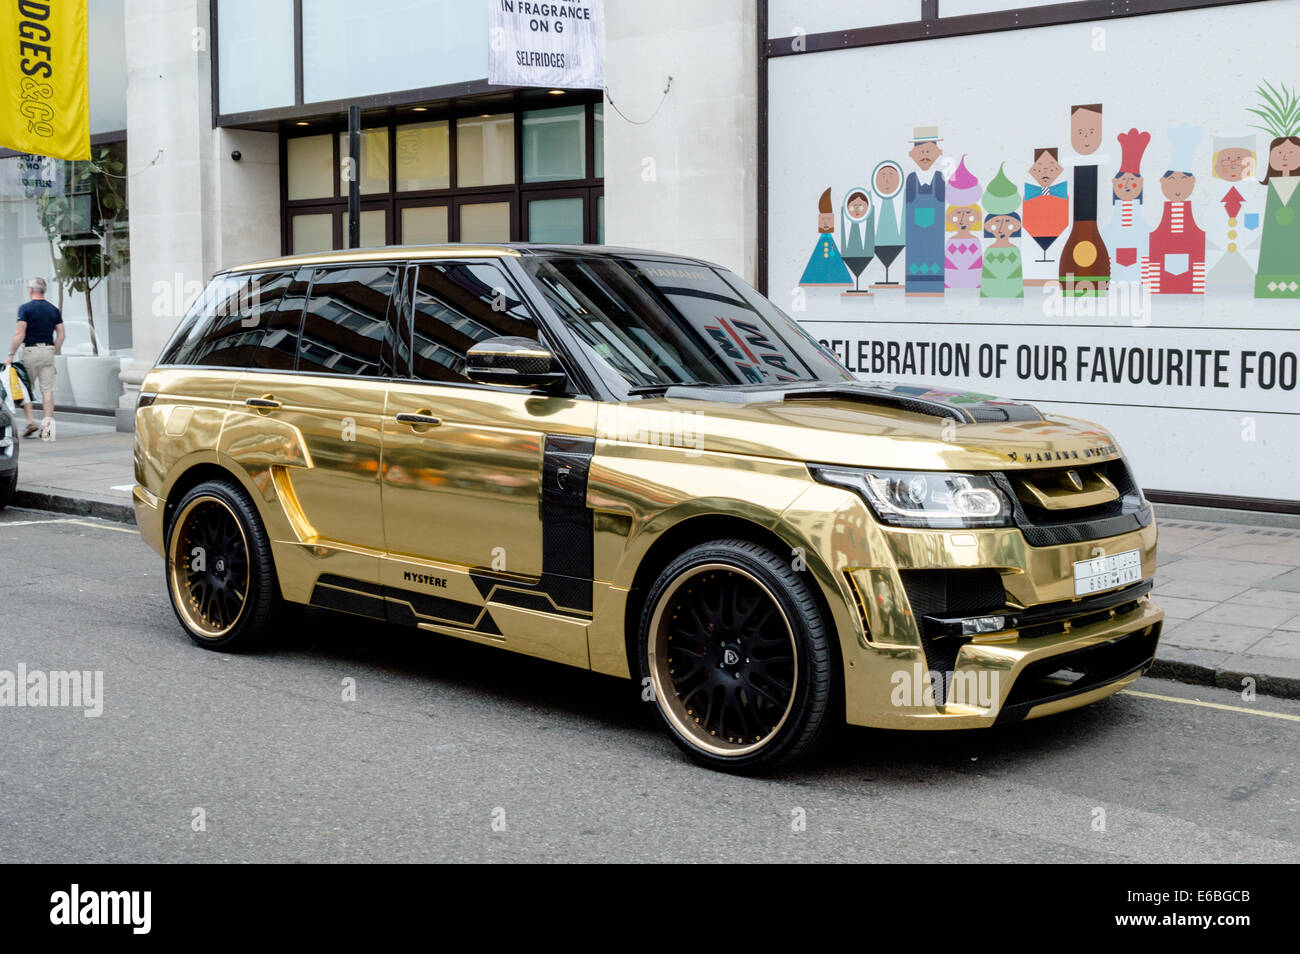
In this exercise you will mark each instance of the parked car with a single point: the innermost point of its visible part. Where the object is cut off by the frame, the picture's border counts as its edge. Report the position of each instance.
(634, 463)
(8, 457)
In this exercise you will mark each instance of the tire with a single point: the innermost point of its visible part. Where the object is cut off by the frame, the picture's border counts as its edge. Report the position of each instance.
(759, 679)
(220, 572)
(8, 487)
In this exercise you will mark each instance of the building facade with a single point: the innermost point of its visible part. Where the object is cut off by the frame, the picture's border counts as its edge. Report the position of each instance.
(781, 139)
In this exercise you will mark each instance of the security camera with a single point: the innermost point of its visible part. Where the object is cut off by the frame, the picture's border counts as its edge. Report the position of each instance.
(236, 155)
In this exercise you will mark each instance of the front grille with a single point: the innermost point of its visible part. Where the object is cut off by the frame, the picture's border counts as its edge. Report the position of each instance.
(1044, 527)
(949, 593)
(1076, 672)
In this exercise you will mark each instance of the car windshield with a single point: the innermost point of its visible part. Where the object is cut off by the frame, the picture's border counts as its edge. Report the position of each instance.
(648, 324)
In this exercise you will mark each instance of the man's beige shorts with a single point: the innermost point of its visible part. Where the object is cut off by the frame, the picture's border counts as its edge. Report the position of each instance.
(40, 366)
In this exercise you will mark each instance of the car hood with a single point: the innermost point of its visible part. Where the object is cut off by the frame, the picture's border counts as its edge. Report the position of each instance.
(859, 424)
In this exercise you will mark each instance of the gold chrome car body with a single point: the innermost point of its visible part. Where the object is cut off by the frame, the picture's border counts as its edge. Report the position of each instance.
(351, 521)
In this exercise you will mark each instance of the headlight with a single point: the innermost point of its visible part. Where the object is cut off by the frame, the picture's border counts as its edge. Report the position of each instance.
(916, 498)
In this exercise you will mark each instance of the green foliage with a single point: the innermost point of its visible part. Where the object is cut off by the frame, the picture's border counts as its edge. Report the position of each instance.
(1279, 108)
(87, 223)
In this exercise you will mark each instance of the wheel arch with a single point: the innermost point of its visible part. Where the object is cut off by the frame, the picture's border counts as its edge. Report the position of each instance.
(702, 529)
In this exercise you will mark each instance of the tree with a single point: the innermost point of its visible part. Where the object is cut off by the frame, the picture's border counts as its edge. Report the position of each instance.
(87, 224)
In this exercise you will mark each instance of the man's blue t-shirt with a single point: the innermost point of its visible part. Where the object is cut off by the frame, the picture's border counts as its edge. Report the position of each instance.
(41, 317)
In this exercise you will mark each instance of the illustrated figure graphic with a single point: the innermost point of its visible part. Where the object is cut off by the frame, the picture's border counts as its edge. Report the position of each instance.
(1175, 264)
(1127, 233)
(1234, 229)
(858, 234)
(1279, 246)
(1046, 213)
(825, 266)
(887, 184)
(925, 202)
(1085, 262)
(1002, 275)
(963, 252)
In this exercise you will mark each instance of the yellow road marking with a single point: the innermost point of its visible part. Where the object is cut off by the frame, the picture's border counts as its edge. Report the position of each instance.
(1213, 705)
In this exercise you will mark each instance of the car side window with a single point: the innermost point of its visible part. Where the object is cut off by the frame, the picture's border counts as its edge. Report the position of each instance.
(197, 329)
(346, 320)
(278, 347)
(455, 305)
(239, 323)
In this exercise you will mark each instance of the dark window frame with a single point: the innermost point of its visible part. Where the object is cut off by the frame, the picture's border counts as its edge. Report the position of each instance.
(518, 192)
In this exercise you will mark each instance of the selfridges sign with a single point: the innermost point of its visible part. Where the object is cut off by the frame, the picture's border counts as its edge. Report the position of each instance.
(30, 177)
(551, 45)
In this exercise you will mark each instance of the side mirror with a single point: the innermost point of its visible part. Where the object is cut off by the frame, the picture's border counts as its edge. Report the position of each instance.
(514, 362)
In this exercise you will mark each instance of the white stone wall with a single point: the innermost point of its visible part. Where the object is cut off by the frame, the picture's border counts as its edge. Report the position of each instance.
(194, 210)
(685, 180)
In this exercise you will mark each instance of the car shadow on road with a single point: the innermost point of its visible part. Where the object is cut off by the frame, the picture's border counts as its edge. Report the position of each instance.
(512, 681)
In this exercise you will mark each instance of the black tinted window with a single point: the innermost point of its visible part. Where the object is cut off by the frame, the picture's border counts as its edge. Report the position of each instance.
(346, 321)
(278, 346)
(457, 304)
(219, 298)
(232, 339)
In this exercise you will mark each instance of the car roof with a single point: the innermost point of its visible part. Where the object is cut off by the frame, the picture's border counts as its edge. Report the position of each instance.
(388, 253)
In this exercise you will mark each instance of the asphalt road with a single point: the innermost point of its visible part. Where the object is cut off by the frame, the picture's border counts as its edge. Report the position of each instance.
(457, 752)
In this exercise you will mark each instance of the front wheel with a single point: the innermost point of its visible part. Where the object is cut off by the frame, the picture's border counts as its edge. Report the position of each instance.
(220, 573)
(736, 651)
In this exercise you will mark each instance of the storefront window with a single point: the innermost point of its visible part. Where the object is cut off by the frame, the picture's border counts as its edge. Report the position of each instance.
(311, 167)
(598, 140)
(374, 228)
(66, 222)
(555, 220)
(555, 144)
(423, 156)
(485, 150)
(424, 225)
(374, 161)
(313, 232)
(485, 222)
(447, 178)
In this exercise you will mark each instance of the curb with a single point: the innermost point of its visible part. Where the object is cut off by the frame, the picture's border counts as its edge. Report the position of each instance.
(1201, 667)
(61, 503)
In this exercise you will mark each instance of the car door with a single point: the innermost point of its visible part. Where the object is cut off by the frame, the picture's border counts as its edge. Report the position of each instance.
(314, 394)
(484, 488)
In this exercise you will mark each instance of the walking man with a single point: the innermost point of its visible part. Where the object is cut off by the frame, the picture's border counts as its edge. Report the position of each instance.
(40, 334)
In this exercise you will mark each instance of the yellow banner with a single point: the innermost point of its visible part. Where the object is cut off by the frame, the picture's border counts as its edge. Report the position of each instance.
(45, 98)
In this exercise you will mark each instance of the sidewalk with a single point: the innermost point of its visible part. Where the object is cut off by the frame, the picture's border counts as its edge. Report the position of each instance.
(1230, 591)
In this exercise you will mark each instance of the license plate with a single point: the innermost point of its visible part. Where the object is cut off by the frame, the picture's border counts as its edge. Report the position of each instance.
(1105, 572)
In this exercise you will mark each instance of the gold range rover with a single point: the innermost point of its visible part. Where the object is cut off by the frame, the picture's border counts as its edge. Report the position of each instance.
(634, 463)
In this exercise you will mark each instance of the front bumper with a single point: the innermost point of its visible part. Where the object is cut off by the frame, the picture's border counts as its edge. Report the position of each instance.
(906, 666)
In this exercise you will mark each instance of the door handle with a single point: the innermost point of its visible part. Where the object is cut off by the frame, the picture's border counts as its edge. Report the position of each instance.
(420, 419)
(264, 403)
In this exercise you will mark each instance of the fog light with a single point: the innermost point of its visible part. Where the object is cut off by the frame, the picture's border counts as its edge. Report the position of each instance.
(977, 625)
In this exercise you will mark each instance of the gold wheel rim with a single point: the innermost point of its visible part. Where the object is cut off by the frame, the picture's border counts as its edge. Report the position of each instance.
(212, 599)
(684, 712)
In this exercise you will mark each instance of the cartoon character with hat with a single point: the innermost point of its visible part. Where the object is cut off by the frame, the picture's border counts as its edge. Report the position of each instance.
(1128, 231)
(963, 253)
(1175, 264)
(924, 202)
(826, 267)
(1003, 273)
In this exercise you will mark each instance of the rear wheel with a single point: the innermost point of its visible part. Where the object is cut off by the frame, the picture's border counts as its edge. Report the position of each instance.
(735, 648)
(220, 573)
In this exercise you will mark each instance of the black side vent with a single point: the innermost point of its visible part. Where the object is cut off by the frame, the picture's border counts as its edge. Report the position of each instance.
(949, 593)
